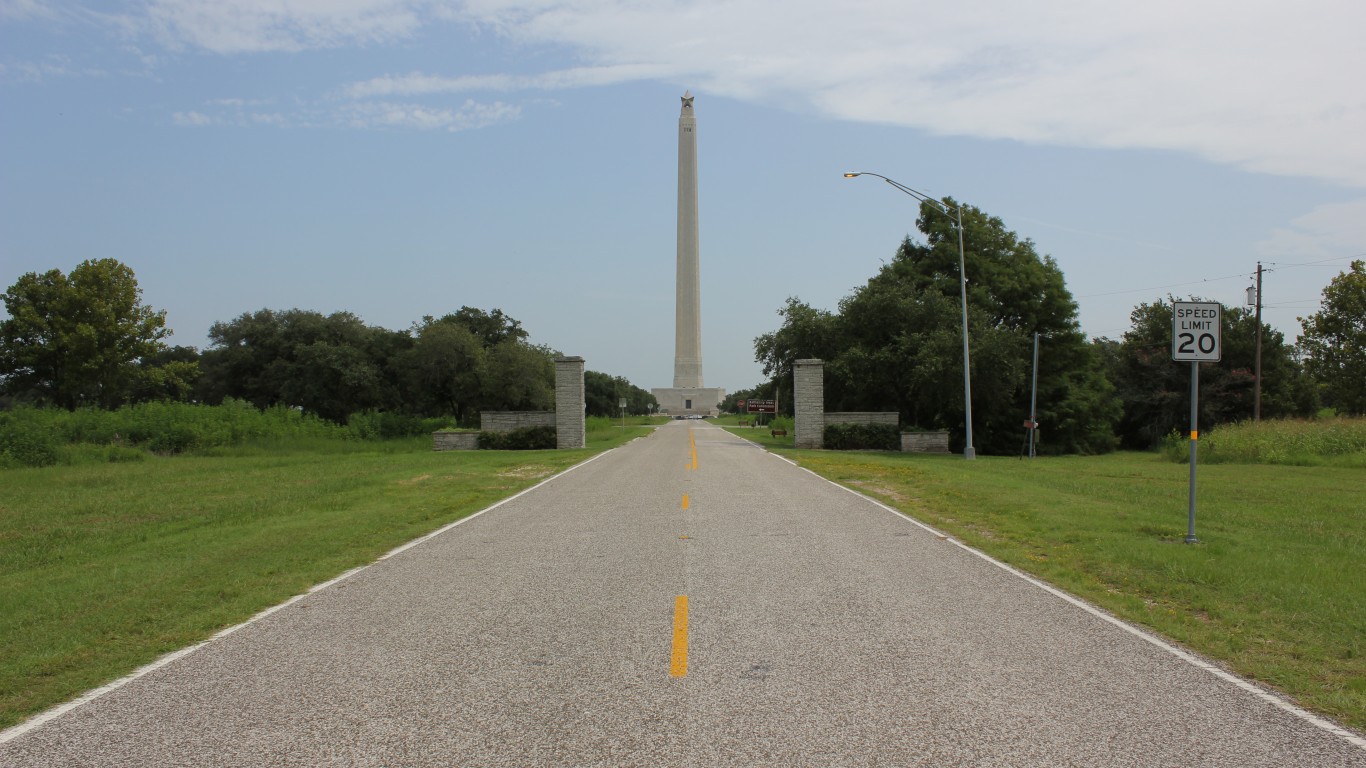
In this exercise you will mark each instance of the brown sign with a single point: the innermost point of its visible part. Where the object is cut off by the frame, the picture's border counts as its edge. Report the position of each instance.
(762, 406)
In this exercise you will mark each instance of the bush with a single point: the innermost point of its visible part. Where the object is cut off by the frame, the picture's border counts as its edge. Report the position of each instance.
(172, 438)
(862, 437)
(25, 443)
(523, 439)
(379, 425)
(1276, 441)
(44, 436)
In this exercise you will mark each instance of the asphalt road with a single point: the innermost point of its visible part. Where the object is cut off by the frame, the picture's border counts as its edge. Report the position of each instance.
(821, 630)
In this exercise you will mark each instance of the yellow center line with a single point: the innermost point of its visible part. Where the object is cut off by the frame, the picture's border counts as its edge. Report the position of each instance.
(678, 661)
(685, 501)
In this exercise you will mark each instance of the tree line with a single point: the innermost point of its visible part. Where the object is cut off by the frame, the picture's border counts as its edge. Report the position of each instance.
(87, 340)
(895, 344)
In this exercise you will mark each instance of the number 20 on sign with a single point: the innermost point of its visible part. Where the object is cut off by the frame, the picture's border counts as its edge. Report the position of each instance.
(1195, 331)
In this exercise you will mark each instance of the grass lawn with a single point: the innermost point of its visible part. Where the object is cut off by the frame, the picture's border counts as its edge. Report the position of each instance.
(1275, 590)
(104, 567)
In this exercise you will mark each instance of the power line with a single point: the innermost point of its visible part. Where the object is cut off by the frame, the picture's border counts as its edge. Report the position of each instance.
(1280, 265)
(1165, 287)
(1295, 303)
(1320, 262)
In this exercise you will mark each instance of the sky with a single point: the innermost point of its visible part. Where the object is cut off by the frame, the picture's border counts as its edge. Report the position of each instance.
(402, 158)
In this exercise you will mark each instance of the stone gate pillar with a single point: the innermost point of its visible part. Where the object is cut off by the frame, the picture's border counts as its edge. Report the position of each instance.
(808, 382)
(569, 403)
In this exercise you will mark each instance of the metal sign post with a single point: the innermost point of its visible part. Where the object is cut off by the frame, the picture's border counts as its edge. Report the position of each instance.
(1195, 337)
(1195, 438)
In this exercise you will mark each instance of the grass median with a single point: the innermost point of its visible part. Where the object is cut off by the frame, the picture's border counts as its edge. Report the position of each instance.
(104, 567)
(1275, 590)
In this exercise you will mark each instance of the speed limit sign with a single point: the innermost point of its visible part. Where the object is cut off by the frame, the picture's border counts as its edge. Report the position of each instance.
(1195, 331)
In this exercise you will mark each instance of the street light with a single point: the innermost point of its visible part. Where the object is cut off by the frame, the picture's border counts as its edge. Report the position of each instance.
(969, 452)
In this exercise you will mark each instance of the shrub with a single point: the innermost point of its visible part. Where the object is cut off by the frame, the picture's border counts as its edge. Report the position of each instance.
(523, 439)
(380, 425)
(862, 437)
(117, 454)
(1277, 441)
(172, 438)
(25, 443)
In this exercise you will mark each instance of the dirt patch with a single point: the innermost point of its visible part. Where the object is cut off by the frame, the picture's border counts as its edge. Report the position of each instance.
(530, 472)
(882, 491)
(415, 480)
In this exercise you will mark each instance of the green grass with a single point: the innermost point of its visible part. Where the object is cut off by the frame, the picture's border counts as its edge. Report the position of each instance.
(763, 435)
(106, 566)
(1276, 588)
(1328, 441)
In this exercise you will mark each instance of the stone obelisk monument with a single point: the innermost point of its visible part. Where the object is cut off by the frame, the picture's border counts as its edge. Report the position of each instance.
(688, 396)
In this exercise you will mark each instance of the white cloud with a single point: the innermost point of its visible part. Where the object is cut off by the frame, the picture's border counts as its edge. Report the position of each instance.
(17, 10)
(192, 119)
(391, 115)
(359, 115)
(49, 67)
(420, 84)
(1269, 87)
(253, 26)
(1336, 231)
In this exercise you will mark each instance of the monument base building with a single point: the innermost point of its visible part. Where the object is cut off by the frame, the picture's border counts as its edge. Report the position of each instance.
(689, 401)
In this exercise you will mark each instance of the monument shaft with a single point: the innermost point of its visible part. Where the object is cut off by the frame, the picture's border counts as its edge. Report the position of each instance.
(688, 313)
(688, 396)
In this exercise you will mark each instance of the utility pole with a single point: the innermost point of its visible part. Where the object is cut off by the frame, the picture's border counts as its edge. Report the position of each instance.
(1257, 369)
(1034, 397)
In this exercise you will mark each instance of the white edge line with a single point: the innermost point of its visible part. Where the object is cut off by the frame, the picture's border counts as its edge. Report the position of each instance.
(1186, 656)
(1190, 658)
(42, 718)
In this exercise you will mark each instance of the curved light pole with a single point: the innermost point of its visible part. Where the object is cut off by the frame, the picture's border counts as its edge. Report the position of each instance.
(969, 452)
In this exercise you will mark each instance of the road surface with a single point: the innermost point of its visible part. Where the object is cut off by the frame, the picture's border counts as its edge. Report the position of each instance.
(685, 600)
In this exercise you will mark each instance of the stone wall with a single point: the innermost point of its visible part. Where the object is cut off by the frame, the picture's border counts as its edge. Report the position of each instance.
(808, 380)
(455, 441)
(569, 403)
(506, 421)
(567, 418)
(863, 417)
(925, 442)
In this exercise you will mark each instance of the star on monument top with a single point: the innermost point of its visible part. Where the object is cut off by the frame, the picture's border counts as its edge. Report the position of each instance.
(687, 99)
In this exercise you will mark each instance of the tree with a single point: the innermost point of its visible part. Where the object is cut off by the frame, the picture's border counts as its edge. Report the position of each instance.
(492, 328)
(332, 365)
(603, 393)
(806, 332)
(1155, 390)
(333, 380)
(732, 402)
(81, 339)
(1334, 341)
(517, 376)
(896, 342)
(443, 369)
(170, 374)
